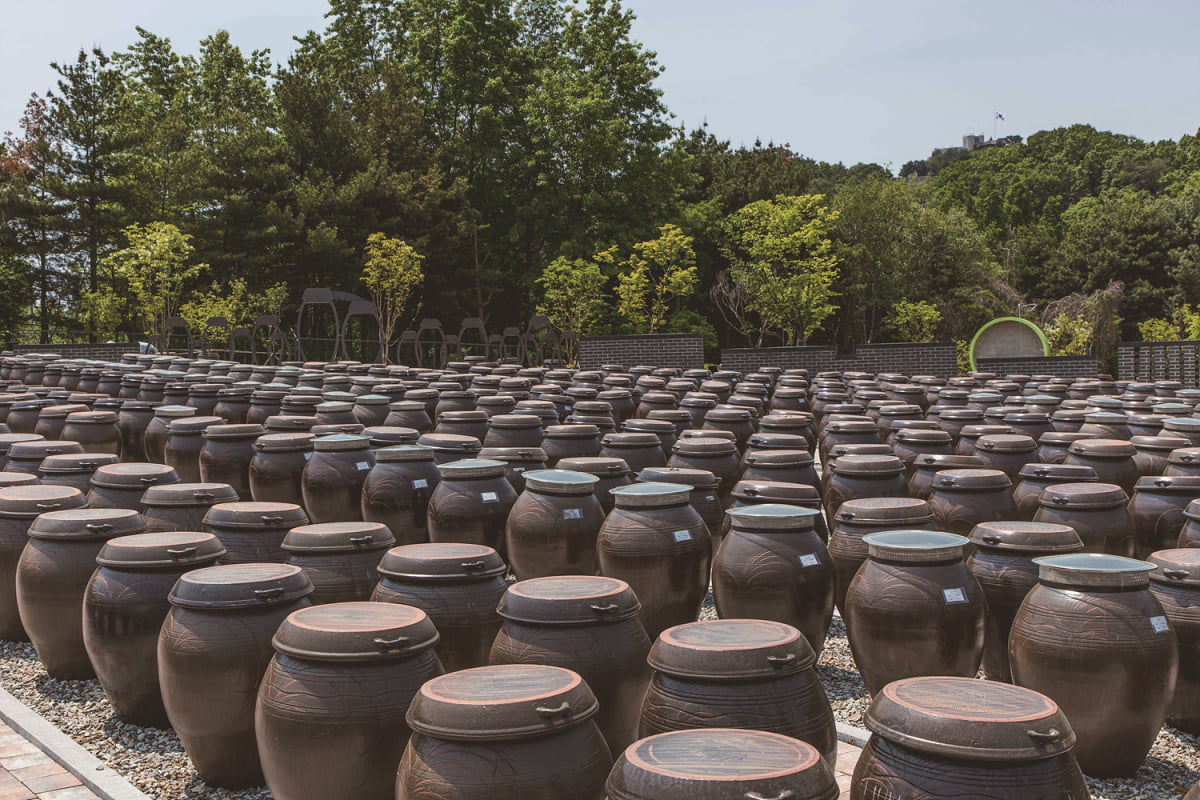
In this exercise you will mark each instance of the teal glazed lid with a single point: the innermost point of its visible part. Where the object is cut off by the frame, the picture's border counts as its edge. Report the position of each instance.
(651, 495)
(1094, 570)
(773, 517)
(915, 546)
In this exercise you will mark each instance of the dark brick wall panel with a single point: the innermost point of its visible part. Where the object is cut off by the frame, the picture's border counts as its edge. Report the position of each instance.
(1158, 361)
(683, 350)
(935, 358)
(1059, 366)
(100, 352)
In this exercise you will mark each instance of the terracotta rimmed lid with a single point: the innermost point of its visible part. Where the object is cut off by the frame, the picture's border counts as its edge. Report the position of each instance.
(92, 418)
(569, 600)
(508, 701)
(233, 586)
(516, 421)
(255, 515)
(970, 719)
(1058, 473)
(36, 450)
(450, 443)
(7, 440)
(340, 443)
(1169, 484)
(290, 423)
(57, 412)
(13, 479)
(1026, 537)
(1103, 448)
(915, 547)
(134, 475)
(240, 431)
(176, 549)
(560, 482)
(76, 462)
(355, 631)
(404, 453)
(572, 432)
(1159, 443)
(599, 466)
(1083, 495)
(189, 494)
(971, 480)
(284, 442)
(779, 458)
(777, 441)
(961, 413)
(695, 478)
(773, 517)
(632, 439)
(775, 492)
(1176, 567)
(727, 414)
(853, 426)
(87, 523)
(731, 649)
(471, 469)
(186, 426)
(23, 502)
(650, 495)
(941, 461)
(868, 466)
(443, 561)
(1184, 455)
(1006, 443)
(1091, 570)
(878, 510)
(338, 537)
(979, 431)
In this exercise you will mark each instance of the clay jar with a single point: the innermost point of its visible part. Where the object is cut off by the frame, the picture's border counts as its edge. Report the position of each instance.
(124, 606)
(19, 507)
(781, 466)
(962, 498)
(7, 440)
(330, 713)
(27, 456)
(458, 586)
(772, 565)
(859, 518)
(1184, 461)
(341, 559)
(925, 467)
(1002, 562)
(123, 485)
(588, 624)
(638, 450)
(409, 414)
(95, 430)
(553, 525)
(214, 647)
(1112, 459)
(253, 532)
(570, 441)
(611, 472)
(73, 469)
(914, 609)
(1097, 512)
(738, 421)
(155, 437)
(276, 468)
(52, 576)
(711, 454)
(471, 504)
(184, 442)
(1094, 639)
(228, 451)
(738, 673)
(517, 461)
(1036, 478)
(514, 430)
(537, 739)
(1189, 535)
(750, 493)
(856, 477)
(332, 481)
(1007, 452)
(847, 431)
(397, 490)
(182, 506)
(473, 424)
(959, 737)
(703, 497)
(1157, 507)
(656, 542)
(1175, 583)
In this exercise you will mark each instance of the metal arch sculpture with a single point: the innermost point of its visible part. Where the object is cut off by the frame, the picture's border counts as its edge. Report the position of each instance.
(313, 301)
(266, 331)
(473, 335)
(431, 336)
(540, 335)
(177, 327)
(362, 309)
(221, 324)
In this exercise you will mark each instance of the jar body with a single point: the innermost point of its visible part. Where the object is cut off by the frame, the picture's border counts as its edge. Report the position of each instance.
(472, 511)
(1157, 519)
(227, 460)
(553, 534)
(96, 437)
(958, 511)
(160, 519)
(848, 551)
(464, 613)
(725, 466)
(397, 494)
(332, 484)
(182, 451)
(1103, 530)
(275, 476)
(52, 577)
(1181, 604)
(339, 577)
(1005, 576)
(842, 487)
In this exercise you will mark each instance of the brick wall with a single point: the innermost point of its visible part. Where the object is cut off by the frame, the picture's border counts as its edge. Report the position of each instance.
(684, 350)
(1175, 361)
(1059, 366)
(109, 351)
(935, 358)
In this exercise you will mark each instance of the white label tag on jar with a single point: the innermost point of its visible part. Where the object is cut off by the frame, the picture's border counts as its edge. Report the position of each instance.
(362, 465)
(420, 483)
(809, 560)
(570, 409)
(489, 497)
(572, 513)
(1159, 624)
(954, 595)
(683, 536)
(710, 498)
(308, 455)
(518, 469)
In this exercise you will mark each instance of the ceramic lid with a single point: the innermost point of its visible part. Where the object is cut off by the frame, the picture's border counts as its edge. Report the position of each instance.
(189, 494)
(919, 436)
(284, 442)
(1184, 455)
(1169, 484)
(240, 586)
(850, 426)
(53, 412)
(1058, 473)
(1179, 567)
(10, 479)
(1083, 495)
(572, 432)
(653, 426)
(1186, 424)
(403, 453)
(941, 461)
(1163, 443)
(915, 547)
(508, 701)
(868, 465)
(650, 495)
(338, 537)
(731, 649)
(779, 458)
(561, 482)
(632, 440)
(970, 719)
(355, 631)
(76, 462)
(7, 440)
(1103, 448)
(695, 478)
(517, 421)
(340, 443)
(599, 466)
(472, 468)
(36, 450)
(1006, 443)
(87, 523)
(290, 423)
(1027, 537)
(92, 418)
(775, 492)
(241, 431)
(569, 600)
(156, 550)
(410, 405)
(255, 515)
(1093, 570)
(979, 431)
(192, 425)
(777, 441)
(875, 510)
(30, 501)
(450, 442)
(133, 475)
(971, 479)
(441, 561)
(514, 455)
(773, 517)
(727, 414)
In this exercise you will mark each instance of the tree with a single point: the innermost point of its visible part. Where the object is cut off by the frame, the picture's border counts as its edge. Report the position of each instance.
(782, 257)
(655, 277)
(573, 292)
(914, 322)
(392, 272)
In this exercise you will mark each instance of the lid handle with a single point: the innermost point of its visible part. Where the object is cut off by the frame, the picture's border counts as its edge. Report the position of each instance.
(611, 608)
(781, 661)
(1041, 472)
(985, 445)
(358, 541)
(1060, 500)
(181, 552)
(392, 645)
(948, 481)
(846, 514)
(89, 464)
(471, 566)
(274, 519)
(991, 538)
(1187, 458)
(1162, 482)
(557, 711)
(149, 480)
(266, 595)
(1175, 574)
(99, 527)
(613, 468)
(1051, 735)
(202, 496)
(49, 506)
(751, 492)
(786, 794)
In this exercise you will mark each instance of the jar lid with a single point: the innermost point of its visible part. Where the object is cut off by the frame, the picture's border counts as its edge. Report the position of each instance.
(92, 418)
(11, 479)
(355, 631)
(970, 719)
(1006, 443)
(290, 423)
(340, 443)
(441, 561)
(706, 445)
(631, 440)
(1186, 424)
(941, 461)
(1169, 484)
(773, 517)
(23, 502)
(569, 600)
(779, 458)
(979, 431)
(32, 450)
(514, 455)
(1161, 443)
(76, 462)
(56, 412)
(572, 432)
(923, 437)
(409, 405)
(876, 510)
(284, 442)
(599, 466)
(728, 415)
(695, 478)
(516, 421)
(240, 586)
(87, 523)
(239, 431)
(1083, 495)
(471, 468)
(561, 482)
(403, 453)
(777, 441)
(864, 426)
(868, 465)
(192, 425)
(1103, 448)
(338, 537)
(731, 649)
(915, 547)
(650, 495)
(1184, 455)
(1027, 537)
(1176, 567)
(156, 550)
(450, 442)
(7, 440)
(188, 494)
(971, 479)
(1058, 473)
(133, 475)
(255, 515)
(1093, 570)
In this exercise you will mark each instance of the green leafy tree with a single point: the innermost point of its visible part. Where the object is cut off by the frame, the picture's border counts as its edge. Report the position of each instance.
(658, 274)
(235, 302)
(914, 321)
(1157, 329)
(574, 295)
(392, 273)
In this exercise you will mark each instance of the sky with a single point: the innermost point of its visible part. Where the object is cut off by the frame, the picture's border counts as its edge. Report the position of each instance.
(882, 81)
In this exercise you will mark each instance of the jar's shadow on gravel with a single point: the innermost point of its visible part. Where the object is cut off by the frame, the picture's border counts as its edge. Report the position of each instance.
(1160, 778)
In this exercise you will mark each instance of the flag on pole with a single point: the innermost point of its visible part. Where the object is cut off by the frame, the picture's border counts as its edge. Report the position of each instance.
(999, 116)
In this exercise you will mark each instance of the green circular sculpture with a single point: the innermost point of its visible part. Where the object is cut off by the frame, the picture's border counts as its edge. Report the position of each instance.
(1008, 337)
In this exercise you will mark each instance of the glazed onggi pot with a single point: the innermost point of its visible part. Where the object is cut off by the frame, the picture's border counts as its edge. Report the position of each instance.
(855, 477)
(123, 485)
(1097, 512)
(925, 467)
(1175, 583)
(962, 498)
(182, 506)
(330, 713)
(1093, 638)
(553, 525)
(1036, 478)
(341, 559)
(471, 504)
(506, 731)
(703, 497)
(957, 737)
(397, 491)
(253, 532)
(859, 518)
(332, 481)
(1157, 507)
(612, 472)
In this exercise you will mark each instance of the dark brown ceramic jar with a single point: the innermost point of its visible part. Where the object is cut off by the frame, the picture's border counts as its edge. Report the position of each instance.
(517, 461)
(1184, 461)
(341, 559)
(914, 609)
(553, 525)
(638, 450)
(858, 477)
(27, 456)
(962, 498)
(781, 466)
(124, 606)
(1006, 452)
(52, 419)
(537, 739)
(52, 577)
(848, 431)
(913, 444)
(398, 488)
(123, 485)
(1094, 639)
(1157, 507)
(959, 737)
(233, 404)
(7, 440)
(611, 472)
(227, 453)
(738, 673)
(570, 441)
(925, 467)
(184, 442)
(73, 469)
(449, 447)
(330, 712)
(471, 504)
(858, 518)
(656, 542)
(12, 479)
(182, 506)
(588, 624)
(1002, 562)
(772, 565)
(1053, 447)
(1112, 459)
(218, 636)
(155, 437)
(276, 468)
(463, 423)
(1097, 512)
(253, 532)
(718, 456)
(968, 435)
(1036, 478)
(703, 497)
(1151, 452)
(332, 481)
(1175, 583)
(760, 442)
(738, 421)
(409, 414)
(749, 493)
(514, 430)
(458, 586)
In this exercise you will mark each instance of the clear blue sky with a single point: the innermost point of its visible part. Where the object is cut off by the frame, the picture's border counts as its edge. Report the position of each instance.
(873, 80)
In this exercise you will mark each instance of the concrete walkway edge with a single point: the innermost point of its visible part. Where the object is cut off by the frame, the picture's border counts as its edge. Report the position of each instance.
(845, 733)
(91, 771)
